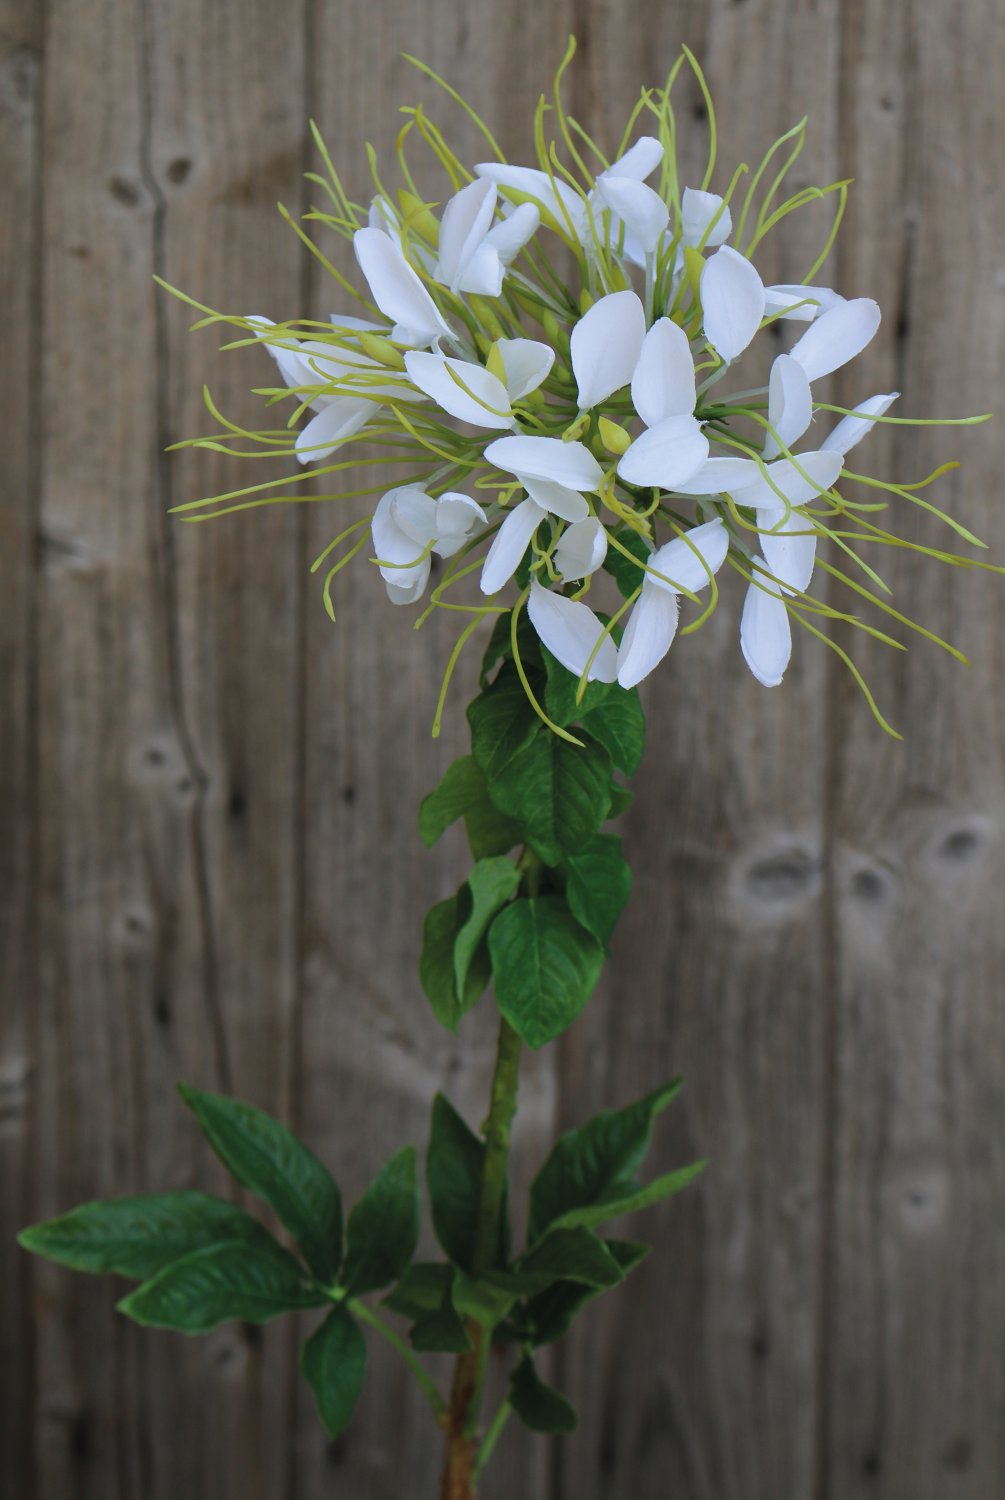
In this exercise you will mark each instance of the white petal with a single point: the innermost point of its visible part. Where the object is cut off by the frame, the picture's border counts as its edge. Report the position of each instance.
(475, 396)
(466, 221)
(392, 545)
(851, 430)
(383, 217)
(663, 382)
(837, 336)
(787, 300)
(483, 273)
(821, 470)
(348, 321)
(765, 632)
(526, 363)
(639, 161)
(667, 455)
(570, 464)
(567, 504)
(414, 513)
(732, 300)
(581, 549)
(409, 593)
(697, 210)
(508, 237)
(457, 517)
(648, 635)
(570, 631)
(641, 210)
(689, 560)
(528, 182)
(509, 545)
(790, 557)
(340, 419)
(790, 404)
(396, 288)
(721, 476)
(605, 346)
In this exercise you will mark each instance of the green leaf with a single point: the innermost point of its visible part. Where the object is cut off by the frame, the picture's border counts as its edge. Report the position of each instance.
(598, 886)
(564, 1255)
(333, 1361)
(627, 575)
(502, 723)
(139, 1236)
(269, 1159)
(500, 646)
(421, 1290)
(620, 726)
(232, 1280)
(441, 1332)
(454, 1176)
(462, 787)
(491, 883)
(552, 1312)
(489, 831)
(539, 1406)
(561, 689)
(481, 1300)
(585, 1164)
(441, 930)
(621, 799)
(383, 1229)
(631, 1198)
(545, 966)
(560, 792)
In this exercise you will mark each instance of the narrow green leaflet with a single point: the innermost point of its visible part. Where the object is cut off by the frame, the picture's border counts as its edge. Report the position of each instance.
(539, 1406)
(552, 1312)
(560, 792)
(463, 787)
(502, 722)
(620, 726)
(545, 966)
(442, 927)
(234, 1280)
(598, 885)
(631, 1201)
(564, 1255)
(269, 1159)
(382, 1231)
(585, 1164)
(491, 883)
(333, 1361)
(454, 1177)
(138, 1236)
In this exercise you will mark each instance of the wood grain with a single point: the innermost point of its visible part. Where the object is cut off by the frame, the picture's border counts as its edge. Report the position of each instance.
(210, 869)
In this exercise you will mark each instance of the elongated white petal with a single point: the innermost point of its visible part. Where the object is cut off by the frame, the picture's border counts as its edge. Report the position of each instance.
(605, 346)
(581, 549)
(789, 555)
(689, 561)
(526, 363)
(790, 404)
(414, 513)
(403, 562)
(383, 217)
(698, 210)
(509, 545)
(570, 631)
(508, 237)
(721, 476)
(396, 288)
(788, 483)
(457, 517)
(732, 300)
(341, 418)
(667, 455)
(801, 304)
(663, 382)
(466, 221)
(550, 196)
(641, 209)
(837, 336)
(570, 464)
(851, 430)
(648, 635)
(348, 322)
(639, 161)
(567, 504)
(467, 391)
(765, 631)
(482, 273)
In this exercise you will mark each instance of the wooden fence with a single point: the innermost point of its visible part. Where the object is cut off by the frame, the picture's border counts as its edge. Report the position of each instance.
(208, 863)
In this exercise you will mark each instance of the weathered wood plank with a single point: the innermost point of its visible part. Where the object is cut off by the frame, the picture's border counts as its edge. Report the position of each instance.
(20, 223)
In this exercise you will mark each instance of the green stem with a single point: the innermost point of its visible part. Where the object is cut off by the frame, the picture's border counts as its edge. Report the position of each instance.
(492, 1436)
(376, 1322)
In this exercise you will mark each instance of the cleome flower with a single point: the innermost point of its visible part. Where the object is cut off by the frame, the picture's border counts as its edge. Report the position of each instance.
(588, 440)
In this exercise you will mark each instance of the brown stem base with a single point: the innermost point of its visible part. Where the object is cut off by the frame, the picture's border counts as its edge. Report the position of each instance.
(458, 1476)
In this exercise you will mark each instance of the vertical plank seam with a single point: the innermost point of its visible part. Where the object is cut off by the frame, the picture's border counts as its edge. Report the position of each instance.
(165, 565)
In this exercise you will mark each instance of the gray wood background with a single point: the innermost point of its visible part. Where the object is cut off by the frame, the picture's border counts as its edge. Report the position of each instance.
(208, 863)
